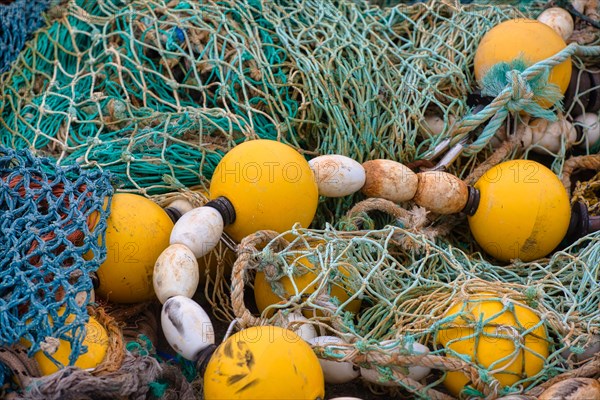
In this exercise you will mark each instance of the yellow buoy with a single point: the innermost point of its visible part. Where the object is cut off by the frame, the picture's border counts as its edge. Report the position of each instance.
(270, 186)
(96, 341)
(523, 211)
(264, 362)
(137, 232)
(306, 282)
(494, 338)
(527, 38)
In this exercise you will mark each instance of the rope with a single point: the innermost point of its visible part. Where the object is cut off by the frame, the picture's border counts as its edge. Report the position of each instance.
(23, 368)
(245, 257)
(589, 162)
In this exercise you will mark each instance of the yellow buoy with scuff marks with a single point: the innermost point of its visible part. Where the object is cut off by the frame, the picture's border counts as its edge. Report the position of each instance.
(264, 362)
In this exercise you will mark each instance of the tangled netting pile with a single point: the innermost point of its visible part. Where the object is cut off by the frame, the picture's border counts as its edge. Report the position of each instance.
(156, 92)
(51, 219)
(18, 20)
(407, 283)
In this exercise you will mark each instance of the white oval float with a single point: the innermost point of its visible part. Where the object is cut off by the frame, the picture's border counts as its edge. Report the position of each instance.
(416, 372)
(175, 273)
(335, 371)
(550, 135)
(303, 329)
(186, 326)
(199, 229)
(590, 126)
(337, 176)
(559, 20)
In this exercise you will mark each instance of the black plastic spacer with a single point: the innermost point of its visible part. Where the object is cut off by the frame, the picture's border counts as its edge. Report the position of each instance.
(173, 213)
(472, 202)
(224, 207)
(203, 357)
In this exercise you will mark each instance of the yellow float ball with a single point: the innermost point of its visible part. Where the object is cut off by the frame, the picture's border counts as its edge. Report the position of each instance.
(96, 341)
(527, 38)
(137, 232)
(523, 211)
(340, 287)
(264, 362)
(494, 338)
(270, 186)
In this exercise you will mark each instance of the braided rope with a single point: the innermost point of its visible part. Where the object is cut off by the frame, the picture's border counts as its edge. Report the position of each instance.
(518, 89)
(590, 162)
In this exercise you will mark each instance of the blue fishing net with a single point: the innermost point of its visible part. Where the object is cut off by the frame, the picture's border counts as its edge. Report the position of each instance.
(17, 21)
(51, 221)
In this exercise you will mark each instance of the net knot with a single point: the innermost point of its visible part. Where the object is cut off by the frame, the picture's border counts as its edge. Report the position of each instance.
(520, 90)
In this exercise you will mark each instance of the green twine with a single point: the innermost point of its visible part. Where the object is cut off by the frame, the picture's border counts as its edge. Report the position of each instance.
(526, 95)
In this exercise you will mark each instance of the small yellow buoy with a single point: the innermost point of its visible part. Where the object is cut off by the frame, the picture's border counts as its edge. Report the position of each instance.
(264, 362)
(307, 282)
(526, 38)
(498, 345)
(137, 231)
(270, 186)
(523, 211)
(96, 341)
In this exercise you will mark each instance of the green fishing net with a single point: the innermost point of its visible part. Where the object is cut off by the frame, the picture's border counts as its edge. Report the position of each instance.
(156, 92)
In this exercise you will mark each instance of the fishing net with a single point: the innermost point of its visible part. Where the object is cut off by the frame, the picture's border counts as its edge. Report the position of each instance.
(18, 20)
(51, 219)
(151, 88)
(408, 284)
(156, 92)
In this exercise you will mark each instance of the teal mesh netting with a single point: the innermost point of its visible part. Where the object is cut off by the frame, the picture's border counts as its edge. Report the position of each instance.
(51, 220)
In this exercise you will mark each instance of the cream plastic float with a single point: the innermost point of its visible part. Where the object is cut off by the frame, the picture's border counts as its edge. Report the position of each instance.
(178, 207)
(300, 325)
(550, 135)
(390, 180)
(199, 229)
(435, 124)
(559, 20)
(175, 273)
(590, 124)
(186, 326)
(573, 389)
(545, 136)
(441, 192)
(335, 371)
(337, 175)
(415, 372)
(346, 398)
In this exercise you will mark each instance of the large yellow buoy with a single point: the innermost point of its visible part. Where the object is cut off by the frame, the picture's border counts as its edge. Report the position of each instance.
(270, 186)
(527, 38)
(512, 343)
(523, 211)
(264, 362)
(137, 232)
(96, 341)
(307, 281)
